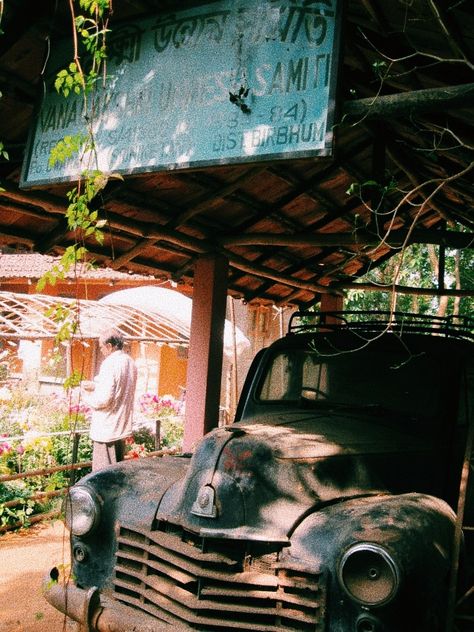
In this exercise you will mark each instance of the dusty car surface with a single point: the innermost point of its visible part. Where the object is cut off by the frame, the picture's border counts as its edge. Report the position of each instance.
(331, 504)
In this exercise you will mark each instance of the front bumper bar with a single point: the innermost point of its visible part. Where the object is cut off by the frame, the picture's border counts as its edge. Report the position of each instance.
(96, 613)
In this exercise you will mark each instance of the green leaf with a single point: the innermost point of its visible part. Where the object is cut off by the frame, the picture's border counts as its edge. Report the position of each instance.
(353, 189)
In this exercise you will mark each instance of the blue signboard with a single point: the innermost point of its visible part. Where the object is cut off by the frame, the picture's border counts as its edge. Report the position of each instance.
(226, 82)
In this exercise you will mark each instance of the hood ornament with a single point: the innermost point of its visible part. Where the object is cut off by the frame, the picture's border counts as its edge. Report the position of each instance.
(205, 503)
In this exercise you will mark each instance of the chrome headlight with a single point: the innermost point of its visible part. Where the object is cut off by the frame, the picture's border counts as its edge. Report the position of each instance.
(81, 510)
(369, 575)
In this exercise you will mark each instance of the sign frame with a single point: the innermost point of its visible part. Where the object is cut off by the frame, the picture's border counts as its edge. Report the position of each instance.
(175, 99)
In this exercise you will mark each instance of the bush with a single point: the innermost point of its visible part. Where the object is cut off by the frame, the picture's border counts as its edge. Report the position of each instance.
(169, 412)
(171, 435)
(27, 417)
(172, 431)
(145, 437)
(13, 490)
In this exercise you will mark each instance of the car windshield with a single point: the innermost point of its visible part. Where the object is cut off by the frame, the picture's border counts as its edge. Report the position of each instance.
(364, 379)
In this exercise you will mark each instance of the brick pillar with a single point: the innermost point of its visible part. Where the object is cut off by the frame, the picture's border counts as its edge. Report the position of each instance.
(206, 344)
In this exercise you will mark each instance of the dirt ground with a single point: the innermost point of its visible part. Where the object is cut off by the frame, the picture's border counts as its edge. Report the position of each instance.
(25, 560)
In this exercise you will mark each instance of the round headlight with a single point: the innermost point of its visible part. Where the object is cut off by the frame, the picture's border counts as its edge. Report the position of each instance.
(81, 510)
(369, 575)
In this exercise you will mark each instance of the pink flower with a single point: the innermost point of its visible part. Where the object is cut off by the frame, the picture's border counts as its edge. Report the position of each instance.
(154, 405)
(78, 409)
(5, 447)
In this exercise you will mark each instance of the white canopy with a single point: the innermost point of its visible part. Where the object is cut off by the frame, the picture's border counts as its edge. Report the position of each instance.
(174, 308)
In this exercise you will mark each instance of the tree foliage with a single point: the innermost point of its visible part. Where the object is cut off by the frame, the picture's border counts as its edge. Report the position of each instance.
(417, 266)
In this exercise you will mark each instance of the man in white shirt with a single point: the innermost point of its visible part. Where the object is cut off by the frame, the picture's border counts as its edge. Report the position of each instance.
(111, 398)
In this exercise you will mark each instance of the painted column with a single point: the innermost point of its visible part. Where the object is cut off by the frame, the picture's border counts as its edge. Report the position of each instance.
(203, 382)
(331, 303)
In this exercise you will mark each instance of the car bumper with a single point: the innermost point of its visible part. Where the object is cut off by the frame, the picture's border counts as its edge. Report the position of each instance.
(97, 613)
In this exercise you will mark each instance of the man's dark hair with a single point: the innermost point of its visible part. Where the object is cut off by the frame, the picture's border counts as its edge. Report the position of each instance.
(113, 338)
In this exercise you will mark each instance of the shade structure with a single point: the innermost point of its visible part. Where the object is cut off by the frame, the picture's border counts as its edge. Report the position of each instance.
(169, 306)
(38, 316)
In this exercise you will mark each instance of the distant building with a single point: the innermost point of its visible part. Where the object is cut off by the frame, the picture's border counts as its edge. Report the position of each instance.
(161, 355)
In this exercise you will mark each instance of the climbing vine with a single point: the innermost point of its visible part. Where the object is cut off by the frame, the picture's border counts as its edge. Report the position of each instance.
(81, 77)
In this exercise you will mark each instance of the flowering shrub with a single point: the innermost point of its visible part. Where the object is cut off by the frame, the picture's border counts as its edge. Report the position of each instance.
(25, 418)
(133, 449)
(5, 447)
(15, 490)
(145, 437)
(157, 406)
(21, 411)
(7, 454)
(172, 431)
(168, 411)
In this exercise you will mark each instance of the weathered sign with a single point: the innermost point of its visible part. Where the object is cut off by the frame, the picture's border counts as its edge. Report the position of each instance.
(225, 82)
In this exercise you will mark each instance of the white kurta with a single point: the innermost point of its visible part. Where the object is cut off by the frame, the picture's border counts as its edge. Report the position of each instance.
(112, 399)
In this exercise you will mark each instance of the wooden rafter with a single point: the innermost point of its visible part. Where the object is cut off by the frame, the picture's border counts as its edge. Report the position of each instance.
(394, 238)
(403, 289)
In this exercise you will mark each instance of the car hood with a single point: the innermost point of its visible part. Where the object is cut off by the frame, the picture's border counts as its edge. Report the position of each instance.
(265, 473)
(306, 435)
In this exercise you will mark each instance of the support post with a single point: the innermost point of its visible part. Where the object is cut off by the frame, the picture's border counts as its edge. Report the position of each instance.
(203, 383)
(332, 303)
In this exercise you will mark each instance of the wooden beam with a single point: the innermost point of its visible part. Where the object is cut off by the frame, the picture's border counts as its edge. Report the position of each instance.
(396, 239)
(402, 289)
(279, 277)
(202, 247)
(54, 237)
(152, 235)
(45, 201)
(18, 239)
(130, 254)
(409, 103)
(221, 191)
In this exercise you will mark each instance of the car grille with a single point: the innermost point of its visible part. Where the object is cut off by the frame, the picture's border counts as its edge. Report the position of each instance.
(215, 584)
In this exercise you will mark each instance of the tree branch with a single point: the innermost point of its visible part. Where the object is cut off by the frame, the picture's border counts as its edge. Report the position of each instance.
(410, 103)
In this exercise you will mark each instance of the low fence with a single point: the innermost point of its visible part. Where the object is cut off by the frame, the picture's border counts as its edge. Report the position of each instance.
(72, 467)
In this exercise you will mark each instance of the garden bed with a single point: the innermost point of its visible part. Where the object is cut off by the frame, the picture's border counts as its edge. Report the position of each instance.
(45, 447)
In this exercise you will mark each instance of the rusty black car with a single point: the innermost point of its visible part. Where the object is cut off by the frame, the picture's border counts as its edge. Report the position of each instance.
(335, 502)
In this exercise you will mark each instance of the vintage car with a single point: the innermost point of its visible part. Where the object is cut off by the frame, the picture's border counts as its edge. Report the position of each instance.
(331, 504)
